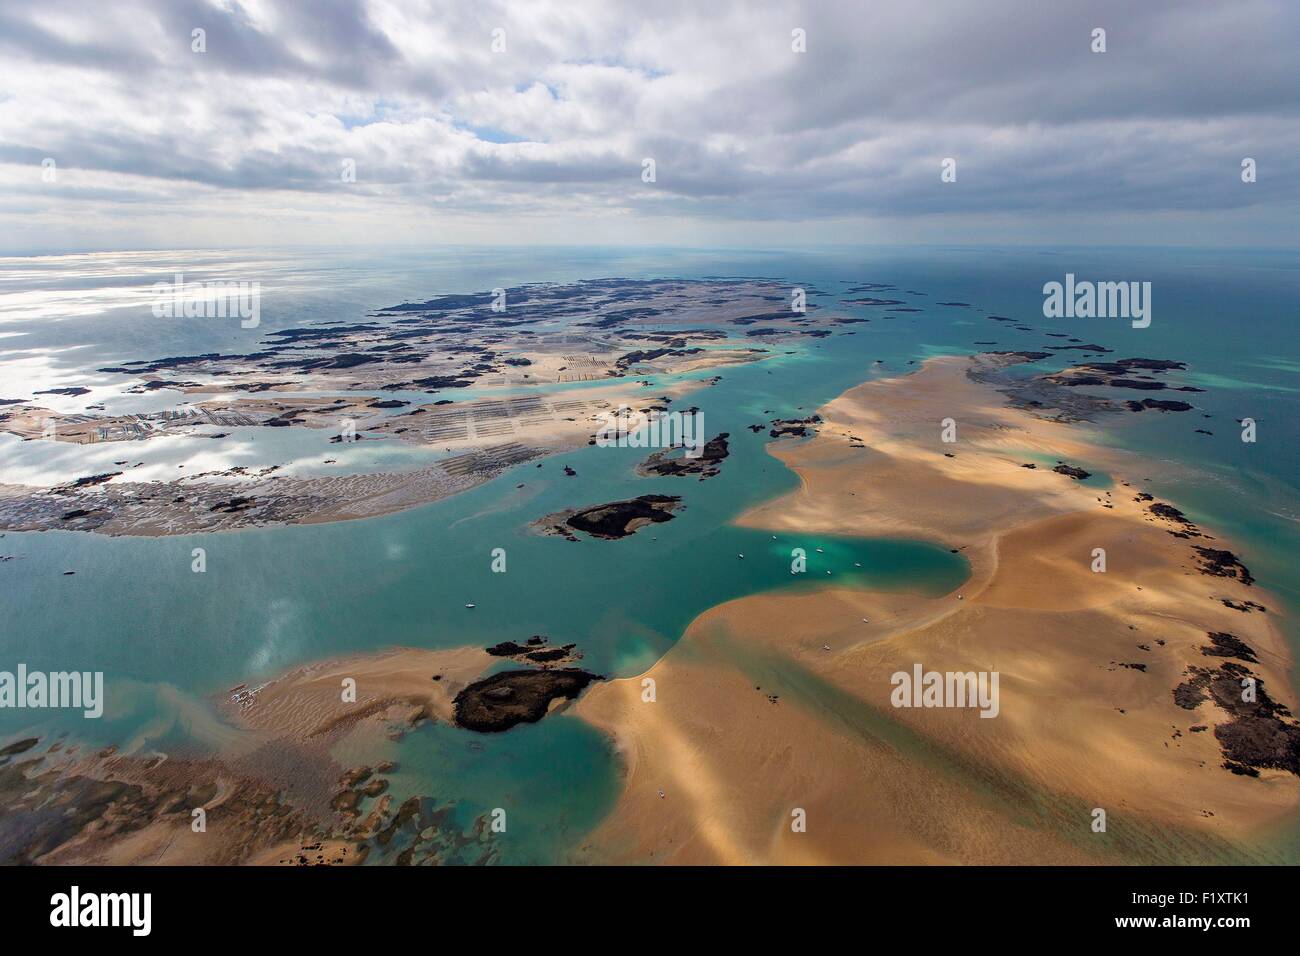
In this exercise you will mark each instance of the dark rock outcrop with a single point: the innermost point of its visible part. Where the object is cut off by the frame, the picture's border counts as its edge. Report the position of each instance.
(618, 519)
(501, 701)
(677, 463)
(1069, 470)
(1259, 733)
(1223, 564)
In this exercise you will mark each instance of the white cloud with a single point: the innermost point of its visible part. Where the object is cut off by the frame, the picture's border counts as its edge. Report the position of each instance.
(159, 145)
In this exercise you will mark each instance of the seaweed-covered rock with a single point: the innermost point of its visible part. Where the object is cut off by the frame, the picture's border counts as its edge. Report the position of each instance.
(501, 701)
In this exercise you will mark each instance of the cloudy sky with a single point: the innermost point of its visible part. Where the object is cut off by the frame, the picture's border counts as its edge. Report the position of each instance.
(156, 145)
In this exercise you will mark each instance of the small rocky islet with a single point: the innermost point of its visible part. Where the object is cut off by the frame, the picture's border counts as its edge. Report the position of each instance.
(679, 463)
(500, 701)
(612, 520)
(537, 650)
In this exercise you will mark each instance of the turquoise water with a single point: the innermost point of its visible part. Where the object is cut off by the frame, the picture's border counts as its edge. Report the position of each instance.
(551, 780)
(169, 639)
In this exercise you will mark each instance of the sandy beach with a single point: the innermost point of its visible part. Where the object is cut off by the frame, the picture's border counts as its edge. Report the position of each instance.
(777, 703)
